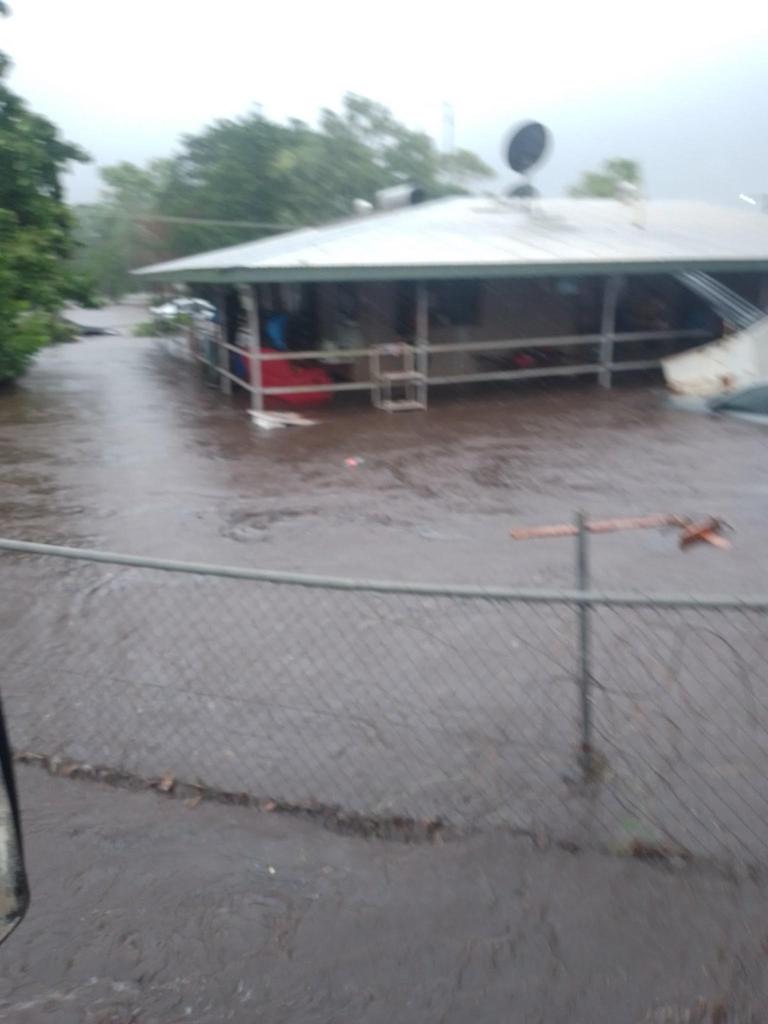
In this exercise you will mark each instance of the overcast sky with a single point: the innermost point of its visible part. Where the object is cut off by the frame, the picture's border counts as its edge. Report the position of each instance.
(680, 85)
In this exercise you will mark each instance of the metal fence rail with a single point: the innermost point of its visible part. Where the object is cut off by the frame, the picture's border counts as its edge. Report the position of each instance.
(598, 356)
(424, 701)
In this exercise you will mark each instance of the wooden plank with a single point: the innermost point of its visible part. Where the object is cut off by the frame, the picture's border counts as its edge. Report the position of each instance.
(650, 522)
(599, 526)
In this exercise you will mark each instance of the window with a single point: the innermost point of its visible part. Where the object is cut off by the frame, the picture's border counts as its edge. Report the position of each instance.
(455, 303)
(451, 304)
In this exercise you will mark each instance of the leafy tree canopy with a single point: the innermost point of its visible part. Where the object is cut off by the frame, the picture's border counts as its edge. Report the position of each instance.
(607, 182)
(257, 170)
(35, 228)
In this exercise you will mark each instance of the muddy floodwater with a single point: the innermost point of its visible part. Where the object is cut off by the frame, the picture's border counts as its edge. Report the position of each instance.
(389, 705)
(400, 707)
(111, 442)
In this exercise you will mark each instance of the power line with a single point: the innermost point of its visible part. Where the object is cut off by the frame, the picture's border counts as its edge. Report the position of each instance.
(204, 221)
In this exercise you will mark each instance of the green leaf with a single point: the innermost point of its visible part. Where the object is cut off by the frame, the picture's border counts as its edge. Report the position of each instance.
(35, 228)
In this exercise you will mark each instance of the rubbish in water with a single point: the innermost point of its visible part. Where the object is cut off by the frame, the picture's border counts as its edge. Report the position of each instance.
(278, 420)
(166, 783)
(271, 870)
(353, 460)
(706, 530)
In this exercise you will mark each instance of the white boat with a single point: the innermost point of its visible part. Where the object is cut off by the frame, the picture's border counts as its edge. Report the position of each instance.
(732, 371)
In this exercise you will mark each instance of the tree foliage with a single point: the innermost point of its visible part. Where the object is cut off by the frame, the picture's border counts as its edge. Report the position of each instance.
(607, 182)
(35, 229)
(257, 170)
(118, 233)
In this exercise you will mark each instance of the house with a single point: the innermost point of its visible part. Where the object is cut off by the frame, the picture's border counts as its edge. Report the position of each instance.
(476, 288)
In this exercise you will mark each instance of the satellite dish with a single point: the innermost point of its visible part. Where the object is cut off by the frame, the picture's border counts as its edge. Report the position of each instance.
(527, 146)
(524, 191)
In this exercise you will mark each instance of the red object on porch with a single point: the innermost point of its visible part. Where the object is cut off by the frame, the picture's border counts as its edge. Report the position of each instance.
(282, 373)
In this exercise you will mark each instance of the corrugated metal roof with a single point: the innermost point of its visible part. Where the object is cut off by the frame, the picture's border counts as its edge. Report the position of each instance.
(472, 236)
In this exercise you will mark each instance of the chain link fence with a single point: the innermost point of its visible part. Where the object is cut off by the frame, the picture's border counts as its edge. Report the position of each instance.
(457, 704)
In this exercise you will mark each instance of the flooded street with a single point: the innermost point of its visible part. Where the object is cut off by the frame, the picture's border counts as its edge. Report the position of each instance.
(393, 707)
(111, 442)
(384, 704)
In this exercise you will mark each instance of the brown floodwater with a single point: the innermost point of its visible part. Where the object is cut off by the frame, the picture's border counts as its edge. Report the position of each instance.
(112, 442)
(380, 704)
(377, 703)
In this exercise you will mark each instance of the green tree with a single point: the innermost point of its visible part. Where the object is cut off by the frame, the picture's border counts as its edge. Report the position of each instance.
(257, 170)
(607, 182)
(35, 229)
(119, 232)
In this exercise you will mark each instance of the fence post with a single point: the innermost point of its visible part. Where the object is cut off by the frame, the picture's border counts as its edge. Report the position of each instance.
(608, 329)
(585, 676)
(254, 350)
(222, 335)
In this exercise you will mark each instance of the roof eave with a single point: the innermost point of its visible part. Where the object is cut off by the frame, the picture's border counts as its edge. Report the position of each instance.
(411, 272)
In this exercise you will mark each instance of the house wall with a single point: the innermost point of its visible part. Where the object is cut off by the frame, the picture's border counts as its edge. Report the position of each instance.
(521, 308)
(529, 307)
(508, 308)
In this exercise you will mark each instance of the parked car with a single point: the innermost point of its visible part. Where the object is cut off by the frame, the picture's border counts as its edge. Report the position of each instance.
(187, 307)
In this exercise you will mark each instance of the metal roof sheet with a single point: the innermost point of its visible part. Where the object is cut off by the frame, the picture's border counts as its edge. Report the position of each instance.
(474, 236)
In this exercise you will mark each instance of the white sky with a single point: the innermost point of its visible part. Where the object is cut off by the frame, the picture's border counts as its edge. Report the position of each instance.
(678, 84)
